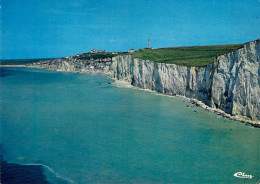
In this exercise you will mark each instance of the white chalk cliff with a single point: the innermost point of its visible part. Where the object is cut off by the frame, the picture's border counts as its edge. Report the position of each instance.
(231, 83)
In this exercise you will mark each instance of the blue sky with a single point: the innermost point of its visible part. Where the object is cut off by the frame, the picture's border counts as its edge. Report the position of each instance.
(56, 28)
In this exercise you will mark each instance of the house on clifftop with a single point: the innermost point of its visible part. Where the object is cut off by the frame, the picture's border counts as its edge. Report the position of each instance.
(93, 51)
(131, 50)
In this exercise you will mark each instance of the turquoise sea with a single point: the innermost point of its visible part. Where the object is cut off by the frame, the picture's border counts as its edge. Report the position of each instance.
(78, 128)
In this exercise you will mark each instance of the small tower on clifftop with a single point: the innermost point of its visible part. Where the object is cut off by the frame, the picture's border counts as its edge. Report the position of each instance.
(148, 43)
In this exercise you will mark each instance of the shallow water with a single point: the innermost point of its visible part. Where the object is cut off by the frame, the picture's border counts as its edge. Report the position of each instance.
(82, 129)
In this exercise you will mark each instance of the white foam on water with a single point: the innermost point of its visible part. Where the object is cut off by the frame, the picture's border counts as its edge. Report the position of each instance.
(67, 180)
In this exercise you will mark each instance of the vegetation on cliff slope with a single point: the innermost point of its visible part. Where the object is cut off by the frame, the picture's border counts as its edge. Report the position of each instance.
(94, 56)
(187, 56)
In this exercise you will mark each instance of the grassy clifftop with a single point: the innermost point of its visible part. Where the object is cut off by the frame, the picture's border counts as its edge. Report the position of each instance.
(187, 56)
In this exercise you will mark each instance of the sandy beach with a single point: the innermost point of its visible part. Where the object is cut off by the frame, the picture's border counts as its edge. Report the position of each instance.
(12, 66)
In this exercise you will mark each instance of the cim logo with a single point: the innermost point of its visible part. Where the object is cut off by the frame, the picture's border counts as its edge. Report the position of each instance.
(242, 175)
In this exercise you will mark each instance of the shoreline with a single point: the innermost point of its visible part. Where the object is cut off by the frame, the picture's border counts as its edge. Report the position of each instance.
(125, 84)
(255, 124)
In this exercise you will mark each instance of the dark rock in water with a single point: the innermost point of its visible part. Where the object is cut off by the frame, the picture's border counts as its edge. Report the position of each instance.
(3, 72)
(18, 174)
(195, 111)
(109, 83)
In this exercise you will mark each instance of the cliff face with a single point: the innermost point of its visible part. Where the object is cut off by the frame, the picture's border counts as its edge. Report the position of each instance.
(231, 83)
(169, 79)
(236, 81)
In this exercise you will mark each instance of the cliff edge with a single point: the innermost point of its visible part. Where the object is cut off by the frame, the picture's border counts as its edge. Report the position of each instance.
(231, 83)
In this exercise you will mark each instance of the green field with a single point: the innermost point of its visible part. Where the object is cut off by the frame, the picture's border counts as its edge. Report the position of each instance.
(187, 56)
